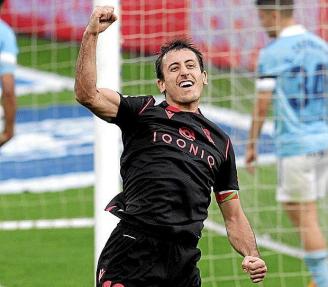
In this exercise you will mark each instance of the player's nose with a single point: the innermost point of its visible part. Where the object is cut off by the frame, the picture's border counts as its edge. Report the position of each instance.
(184, 70)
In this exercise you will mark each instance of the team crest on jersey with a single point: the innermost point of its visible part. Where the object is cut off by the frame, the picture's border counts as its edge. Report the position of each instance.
(187, 133)
(208, 135)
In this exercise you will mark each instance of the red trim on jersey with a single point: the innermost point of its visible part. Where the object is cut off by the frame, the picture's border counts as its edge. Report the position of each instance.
(173, 109)
(146, 106)
(223, 196)
(177, 110)
(110, 208)
(227, 149)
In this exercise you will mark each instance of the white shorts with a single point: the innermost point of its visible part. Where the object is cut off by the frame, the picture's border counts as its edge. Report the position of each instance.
(303, 178)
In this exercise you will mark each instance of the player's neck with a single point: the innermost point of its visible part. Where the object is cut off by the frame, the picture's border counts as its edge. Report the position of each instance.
(285, 23)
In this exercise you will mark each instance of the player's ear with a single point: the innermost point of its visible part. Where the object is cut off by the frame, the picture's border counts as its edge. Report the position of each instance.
(205, 81)
(161, 86)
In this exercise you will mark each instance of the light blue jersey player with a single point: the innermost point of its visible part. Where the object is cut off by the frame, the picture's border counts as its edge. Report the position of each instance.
(8, 59)
(295, 68)
(293, 76)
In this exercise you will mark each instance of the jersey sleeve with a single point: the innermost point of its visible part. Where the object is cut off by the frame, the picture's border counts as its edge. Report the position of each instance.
(226, 185)
(130, 109)
(266, 74)
(8, 51)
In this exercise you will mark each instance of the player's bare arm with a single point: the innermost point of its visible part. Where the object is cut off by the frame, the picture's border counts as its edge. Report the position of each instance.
(261, 108)
(102, 102)
(241, 237)
(9, 106)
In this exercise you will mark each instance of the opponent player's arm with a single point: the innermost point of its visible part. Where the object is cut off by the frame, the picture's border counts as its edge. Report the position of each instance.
(102, 102)
(260, 111)
(8, 100)
(242, 239)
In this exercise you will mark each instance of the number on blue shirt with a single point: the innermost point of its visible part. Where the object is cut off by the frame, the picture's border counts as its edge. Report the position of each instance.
(307, 85)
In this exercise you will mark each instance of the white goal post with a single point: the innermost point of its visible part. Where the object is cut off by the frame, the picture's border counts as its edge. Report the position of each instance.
(107, 182)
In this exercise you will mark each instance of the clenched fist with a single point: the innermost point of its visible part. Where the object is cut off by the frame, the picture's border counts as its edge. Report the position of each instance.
(101, 18)
(255, 267)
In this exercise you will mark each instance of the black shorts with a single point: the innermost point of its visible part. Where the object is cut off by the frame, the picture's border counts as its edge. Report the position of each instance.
(136, 258)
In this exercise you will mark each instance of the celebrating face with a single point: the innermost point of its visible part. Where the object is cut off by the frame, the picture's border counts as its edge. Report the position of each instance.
(183, 79)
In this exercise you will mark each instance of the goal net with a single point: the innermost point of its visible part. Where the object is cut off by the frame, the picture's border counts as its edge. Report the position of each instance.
(47, 171)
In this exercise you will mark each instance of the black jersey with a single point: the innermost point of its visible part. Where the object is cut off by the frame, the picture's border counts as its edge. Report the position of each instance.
(170, 163)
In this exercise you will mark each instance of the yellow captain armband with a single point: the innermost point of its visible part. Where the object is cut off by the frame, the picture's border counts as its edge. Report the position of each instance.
(224, 196)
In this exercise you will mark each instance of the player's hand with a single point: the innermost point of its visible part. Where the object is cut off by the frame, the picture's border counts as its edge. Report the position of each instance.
(101, 18)
(250, 158)
(5, 137)
(255, 267)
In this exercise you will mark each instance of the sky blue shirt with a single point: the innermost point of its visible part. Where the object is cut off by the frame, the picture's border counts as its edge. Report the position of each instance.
(8, 49)
(295, 68)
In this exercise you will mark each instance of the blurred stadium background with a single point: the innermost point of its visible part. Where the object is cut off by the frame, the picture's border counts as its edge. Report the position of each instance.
(47, 173)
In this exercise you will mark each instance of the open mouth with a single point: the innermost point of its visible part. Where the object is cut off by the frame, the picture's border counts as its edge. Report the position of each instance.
(186, 84)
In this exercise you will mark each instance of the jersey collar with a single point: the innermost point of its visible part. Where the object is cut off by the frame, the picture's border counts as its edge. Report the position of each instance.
(292, 31)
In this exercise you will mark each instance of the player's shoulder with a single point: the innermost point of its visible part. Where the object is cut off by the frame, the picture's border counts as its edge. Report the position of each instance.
(269, 51)
(8, 41)
(138, 104)
(317, 39)
(6, 30)
(306, 40)
(140, 99)
(273, 44)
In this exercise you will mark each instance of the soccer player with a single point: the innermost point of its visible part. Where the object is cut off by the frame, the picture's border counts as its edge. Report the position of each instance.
(292, 74)
(173, 157)
(8, 55)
